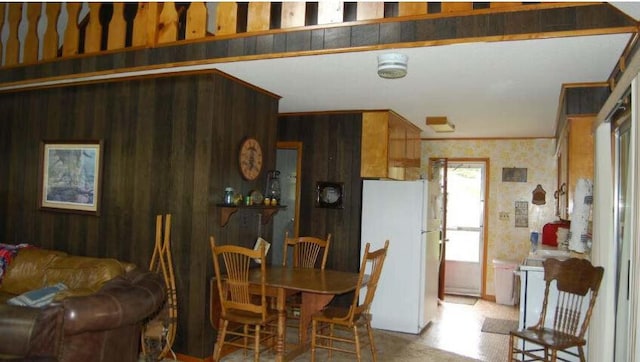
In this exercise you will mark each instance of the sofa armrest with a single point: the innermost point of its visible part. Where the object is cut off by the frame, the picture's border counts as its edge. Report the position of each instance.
(30, 332)
(124, 300)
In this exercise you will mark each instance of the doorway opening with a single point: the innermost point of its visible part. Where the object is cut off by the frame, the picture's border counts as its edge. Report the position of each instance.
(465, 232)
(288, 162)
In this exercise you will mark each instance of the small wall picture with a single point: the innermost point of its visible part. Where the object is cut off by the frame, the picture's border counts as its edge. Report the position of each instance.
(514, 174)
(329, 194)
(521, 214)
(70, 176)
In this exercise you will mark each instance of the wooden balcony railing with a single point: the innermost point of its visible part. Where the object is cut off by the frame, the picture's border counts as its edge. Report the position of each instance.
(34, 32)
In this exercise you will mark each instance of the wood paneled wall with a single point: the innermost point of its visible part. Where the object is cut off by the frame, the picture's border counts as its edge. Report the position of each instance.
(170, 146)
(330, 152)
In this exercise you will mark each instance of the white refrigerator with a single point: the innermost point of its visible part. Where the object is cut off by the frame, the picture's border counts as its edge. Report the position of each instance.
(407, 214)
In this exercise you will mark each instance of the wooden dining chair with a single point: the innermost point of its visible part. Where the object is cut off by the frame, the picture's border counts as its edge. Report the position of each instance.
(355, 316)
(305, 253)
(306, 250)
(577, 282)
(238, 304)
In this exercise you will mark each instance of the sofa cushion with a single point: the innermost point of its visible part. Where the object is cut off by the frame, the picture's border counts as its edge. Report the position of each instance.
(38, 297)
(26, 271)
(82, 273)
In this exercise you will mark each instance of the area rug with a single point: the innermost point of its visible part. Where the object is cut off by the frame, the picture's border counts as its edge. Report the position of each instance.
(460, 299)
(390, 347)
(500, 326)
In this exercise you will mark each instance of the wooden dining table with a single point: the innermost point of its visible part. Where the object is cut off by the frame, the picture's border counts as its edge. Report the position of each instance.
(318, 288)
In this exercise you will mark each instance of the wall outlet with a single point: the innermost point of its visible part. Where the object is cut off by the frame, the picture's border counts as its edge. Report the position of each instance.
(503, 216)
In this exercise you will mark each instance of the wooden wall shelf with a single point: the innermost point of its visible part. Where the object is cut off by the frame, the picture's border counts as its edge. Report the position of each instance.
(266, 211)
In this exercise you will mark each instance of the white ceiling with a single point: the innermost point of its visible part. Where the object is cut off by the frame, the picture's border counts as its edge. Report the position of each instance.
(499, 89)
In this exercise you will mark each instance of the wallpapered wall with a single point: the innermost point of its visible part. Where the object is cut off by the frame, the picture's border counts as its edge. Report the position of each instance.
(505, 241)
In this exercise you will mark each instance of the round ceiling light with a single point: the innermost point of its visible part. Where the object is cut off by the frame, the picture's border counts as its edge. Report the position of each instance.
(392, 65)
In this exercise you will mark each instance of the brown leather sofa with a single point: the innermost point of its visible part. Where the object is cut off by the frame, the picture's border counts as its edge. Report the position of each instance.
(98, 318)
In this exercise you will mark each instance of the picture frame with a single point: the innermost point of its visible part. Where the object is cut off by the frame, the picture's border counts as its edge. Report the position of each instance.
(70, 176)
(514, 174)
(329, 194)
(521, 214)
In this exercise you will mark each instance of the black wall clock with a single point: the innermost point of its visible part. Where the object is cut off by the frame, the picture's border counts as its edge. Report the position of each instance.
(329, 194)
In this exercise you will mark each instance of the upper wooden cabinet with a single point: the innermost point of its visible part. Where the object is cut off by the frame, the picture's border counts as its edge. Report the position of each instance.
(390, 147)
(575, 160)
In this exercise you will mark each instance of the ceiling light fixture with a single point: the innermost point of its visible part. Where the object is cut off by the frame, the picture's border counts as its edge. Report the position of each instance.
(392, 65)
(440, 124)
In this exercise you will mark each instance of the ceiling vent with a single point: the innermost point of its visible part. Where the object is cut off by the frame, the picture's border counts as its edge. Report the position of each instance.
(440, 124)
(392, 65)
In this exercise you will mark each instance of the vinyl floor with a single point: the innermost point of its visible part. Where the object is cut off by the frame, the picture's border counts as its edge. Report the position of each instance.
(458, 329)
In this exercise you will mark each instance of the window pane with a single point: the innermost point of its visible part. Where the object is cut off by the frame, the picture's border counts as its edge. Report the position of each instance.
(463, 246)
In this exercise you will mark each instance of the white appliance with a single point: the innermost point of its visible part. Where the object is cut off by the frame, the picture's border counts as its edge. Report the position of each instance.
(406, 214)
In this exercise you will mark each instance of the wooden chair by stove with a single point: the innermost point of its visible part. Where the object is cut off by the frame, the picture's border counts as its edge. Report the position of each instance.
(240, 305)
(353, 318)
(305, 254)
(577, 282)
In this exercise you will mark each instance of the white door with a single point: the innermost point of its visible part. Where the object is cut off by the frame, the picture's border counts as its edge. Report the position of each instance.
(465, 227)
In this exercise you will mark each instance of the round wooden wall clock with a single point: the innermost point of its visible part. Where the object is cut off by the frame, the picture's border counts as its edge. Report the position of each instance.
(250, 159)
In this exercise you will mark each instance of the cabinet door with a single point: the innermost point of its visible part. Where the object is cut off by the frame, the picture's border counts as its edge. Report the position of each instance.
(374, 144)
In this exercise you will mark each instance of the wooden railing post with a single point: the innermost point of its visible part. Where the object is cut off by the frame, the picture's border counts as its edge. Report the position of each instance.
(50, 39)
(168, 23)
(448, 7)
(94, 29)
(226, 18)
(370, 10)
(293, 14)
(259, 16)
(411, 8)
(117, 28)
(72, 34)
(145, 25)
(196, 21)
(31, 39)
(12, 55)
(330, 12)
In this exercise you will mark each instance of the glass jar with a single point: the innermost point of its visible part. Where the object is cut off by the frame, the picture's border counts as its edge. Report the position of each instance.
(228, 196)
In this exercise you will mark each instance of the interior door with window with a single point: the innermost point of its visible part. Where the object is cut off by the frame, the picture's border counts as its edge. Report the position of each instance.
(465, 227)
